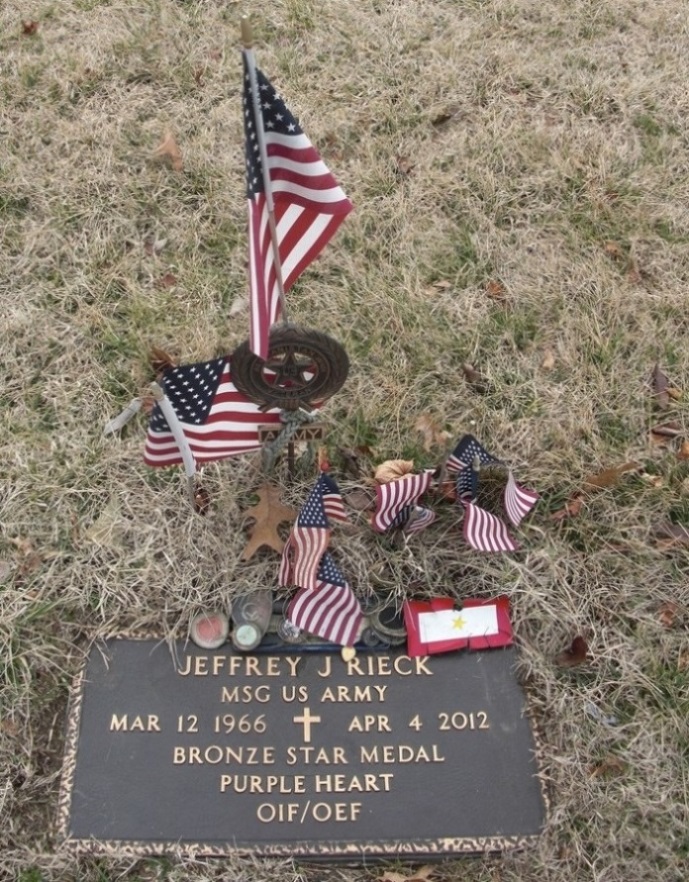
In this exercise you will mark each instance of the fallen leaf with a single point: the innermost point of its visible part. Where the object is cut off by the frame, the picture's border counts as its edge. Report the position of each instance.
(669, 535)
(169, 153)
(612, 249)
(683, 452)
(548, 362)
(29, 28)
(268, 514)
(610, 767)
(475, 379)
(675, 394)
(496, 290)
(392, 469)
(107, 531)
(202, 501)
(239, 304)
(663, 435)
(668, 614)
(167, 281)
(652, 480)
(441, 285)
(571, 508)
(420, 875)
(683, 659)
(433, 434)
(30, 559)
(633, 272)
(577, 654)
(609, 477)
(404, 166)
(161, 360)
(360, 498)
(659, 384)
(198, 74)
(153, 246)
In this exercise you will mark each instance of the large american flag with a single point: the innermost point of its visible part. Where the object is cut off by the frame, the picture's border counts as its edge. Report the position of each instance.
(396, 500)
(217, 419)
(329, 610)
(310, 535)
(309, 204)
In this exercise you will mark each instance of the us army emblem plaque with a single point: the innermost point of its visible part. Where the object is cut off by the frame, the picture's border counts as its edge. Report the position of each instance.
(181, 750)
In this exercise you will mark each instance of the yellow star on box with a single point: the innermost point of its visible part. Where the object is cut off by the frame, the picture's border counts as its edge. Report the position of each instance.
(458, 623)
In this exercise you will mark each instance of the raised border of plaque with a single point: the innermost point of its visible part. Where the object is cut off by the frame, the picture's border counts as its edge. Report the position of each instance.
(509, 696)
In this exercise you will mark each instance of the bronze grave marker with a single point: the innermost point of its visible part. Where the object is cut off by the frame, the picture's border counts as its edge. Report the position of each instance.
(214, 752)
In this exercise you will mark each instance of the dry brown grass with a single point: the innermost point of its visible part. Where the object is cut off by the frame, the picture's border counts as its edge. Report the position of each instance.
(537, 133)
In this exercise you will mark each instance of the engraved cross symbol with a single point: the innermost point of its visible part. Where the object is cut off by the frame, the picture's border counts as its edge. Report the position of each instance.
(306, 719)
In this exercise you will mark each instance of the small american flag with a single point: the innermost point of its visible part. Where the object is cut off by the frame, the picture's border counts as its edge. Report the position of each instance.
(484, 531)
(217, 419)
(461, 460)
(330, 610)
(309, 204)
(310, 535)
(518, 500)
(396, 499)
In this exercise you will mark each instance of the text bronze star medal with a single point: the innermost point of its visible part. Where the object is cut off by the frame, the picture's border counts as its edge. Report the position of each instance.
(184, 750)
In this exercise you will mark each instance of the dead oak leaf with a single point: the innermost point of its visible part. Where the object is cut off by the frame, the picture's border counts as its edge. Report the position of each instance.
(392, 469)
(683, 452)
(169, 280)
(169, 153)
(669, 613)
(268, 514)
(571, 508)
(611, 766)
(433, 433)
(475, 379)
(663, 435)
(496, 290)
(575, 654)
(659, 385)
(548, 362)
(609, 477)
(161, 360)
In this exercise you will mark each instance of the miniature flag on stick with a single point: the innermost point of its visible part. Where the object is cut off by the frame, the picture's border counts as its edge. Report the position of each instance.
(216, 419)
(482, 530)
(396, 502)
(310, 535)
(295, 204)
(331, 610)
(437, 626)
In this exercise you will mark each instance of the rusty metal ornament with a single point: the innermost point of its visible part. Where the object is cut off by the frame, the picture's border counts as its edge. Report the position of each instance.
(303, 369)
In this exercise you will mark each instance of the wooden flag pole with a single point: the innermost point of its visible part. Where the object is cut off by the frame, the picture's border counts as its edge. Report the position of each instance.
(180, 438)
(248, 42)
